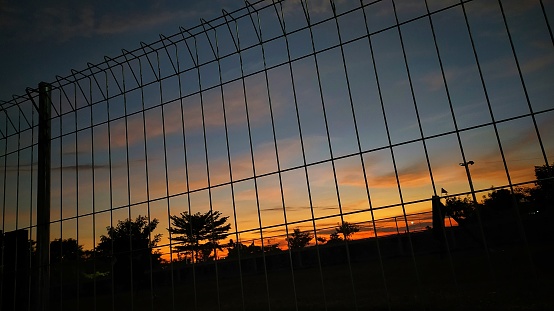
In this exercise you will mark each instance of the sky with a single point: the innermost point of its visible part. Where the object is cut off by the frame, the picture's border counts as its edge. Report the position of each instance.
(145, 150)
(42, 39)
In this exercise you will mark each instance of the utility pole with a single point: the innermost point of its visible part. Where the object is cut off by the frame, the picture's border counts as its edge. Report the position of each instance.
(42, 282)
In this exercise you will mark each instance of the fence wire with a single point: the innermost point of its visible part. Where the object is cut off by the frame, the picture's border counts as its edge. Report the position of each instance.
(296, 155)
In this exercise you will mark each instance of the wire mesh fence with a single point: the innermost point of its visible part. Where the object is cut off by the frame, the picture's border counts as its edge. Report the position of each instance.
(294, 155)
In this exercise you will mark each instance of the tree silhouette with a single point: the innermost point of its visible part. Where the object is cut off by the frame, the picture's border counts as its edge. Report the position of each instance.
(299, 239)
(501, 199)
(129, 235)
(543, 193)
(321, 239)
(461, 210)
(65, 250)
(545, 176)
(129, 247)
(347, 229)
(500, 203)
(234, 248)
(334, 237)
(199, 234)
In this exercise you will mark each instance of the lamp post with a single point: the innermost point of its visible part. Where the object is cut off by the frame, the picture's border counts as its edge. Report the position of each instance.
(466, 165)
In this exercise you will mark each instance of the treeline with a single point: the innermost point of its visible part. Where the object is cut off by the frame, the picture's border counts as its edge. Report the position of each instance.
(128, 252)
(536, 200)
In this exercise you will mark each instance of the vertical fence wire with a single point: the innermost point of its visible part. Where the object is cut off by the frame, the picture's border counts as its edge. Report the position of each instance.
(451, 109)
(486, 94)
(4, 195)
(208, 171)
(306, 9)
(171, 267)
(279, 174)
(30, 265)
(387, 130)
(194, 58)
(362, 161)
(128, 168)
(420, 128)
(521, 229)
(280, 14)
(61, 201)
(241, 62)
(110, 173)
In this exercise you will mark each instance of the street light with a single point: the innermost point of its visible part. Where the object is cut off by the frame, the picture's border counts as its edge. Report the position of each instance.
(466, 165)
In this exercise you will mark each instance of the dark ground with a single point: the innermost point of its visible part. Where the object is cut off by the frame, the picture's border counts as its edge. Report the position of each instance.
(512, 275)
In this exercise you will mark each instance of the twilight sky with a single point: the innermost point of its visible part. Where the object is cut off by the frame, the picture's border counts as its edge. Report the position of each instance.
(145, 150)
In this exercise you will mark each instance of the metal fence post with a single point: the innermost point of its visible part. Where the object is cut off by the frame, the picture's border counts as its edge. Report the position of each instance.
(43, 199)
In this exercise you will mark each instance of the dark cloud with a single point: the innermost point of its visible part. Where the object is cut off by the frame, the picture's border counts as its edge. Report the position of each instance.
(65, 20)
